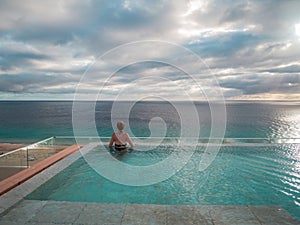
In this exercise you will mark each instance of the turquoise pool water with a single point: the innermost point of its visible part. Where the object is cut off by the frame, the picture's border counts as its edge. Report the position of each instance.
(239, 175)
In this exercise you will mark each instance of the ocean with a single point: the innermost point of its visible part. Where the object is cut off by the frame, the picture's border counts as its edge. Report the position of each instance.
(31, 121)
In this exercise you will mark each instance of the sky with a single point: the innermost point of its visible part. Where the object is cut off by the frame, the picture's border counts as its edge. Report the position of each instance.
(139, 50)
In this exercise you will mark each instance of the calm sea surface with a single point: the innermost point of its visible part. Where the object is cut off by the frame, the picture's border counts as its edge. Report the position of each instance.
(27, 121)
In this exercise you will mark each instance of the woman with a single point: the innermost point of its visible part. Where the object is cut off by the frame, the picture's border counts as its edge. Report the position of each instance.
(120, 138)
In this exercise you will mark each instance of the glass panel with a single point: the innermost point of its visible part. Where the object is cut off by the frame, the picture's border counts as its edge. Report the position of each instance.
(13, 162)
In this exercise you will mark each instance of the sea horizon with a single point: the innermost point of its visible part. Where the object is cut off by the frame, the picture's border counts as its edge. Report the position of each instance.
(112, 100)
(33, 120)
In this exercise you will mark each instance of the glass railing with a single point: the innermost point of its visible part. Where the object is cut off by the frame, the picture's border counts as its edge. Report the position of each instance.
(22, 158)
(42, 150)
(13, 162)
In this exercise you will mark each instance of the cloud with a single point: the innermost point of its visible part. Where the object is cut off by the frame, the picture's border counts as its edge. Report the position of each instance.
(14, 55)
(263, 83)
(284, 69)
(29, 83)
(224, 45)
(250, 46)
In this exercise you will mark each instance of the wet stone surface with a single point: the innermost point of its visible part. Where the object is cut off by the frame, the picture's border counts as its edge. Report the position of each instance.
(54, 212)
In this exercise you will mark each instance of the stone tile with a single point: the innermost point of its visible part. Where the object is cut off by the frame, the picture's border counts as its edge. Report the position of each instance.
(231, 215)
(180, 215)
(144, 214)
(39, 223)
(22, 190)
(5, 222)
(13, 193)
(7, 201)
(274, 215)
(205, 211)
(24, 211)
(94, 213)
(58, 212)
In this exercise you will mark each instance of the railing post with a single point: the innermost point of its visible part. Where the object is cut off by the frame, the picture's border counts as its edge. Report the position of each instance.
(54, 142)
(27, 161)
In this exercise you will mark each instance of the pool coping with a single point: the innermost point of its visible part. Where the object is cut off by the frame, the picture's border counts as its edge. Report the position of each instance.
(16, 187)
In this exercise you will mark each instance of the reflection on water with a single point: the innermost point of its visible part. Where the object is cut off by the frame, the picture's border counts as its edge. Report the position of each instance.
(287, 125)
(263, 120)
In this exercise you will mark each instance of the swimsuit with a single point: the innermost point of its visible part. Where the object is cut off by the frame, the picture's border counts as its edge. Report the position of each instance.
(120, 147)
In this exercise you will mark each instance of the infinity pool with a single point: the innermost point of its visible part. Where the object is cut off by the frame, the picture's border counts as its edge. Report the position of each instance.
(239, 175)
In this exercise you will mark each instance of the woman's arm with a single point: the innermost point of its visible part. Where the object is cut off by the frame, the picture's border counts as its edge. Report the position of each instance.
(130, 141)
(112, 140)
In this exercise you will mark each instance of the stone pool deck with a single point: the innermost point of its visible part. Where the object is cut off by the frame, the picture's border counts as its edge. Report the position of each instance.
(32, 212)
